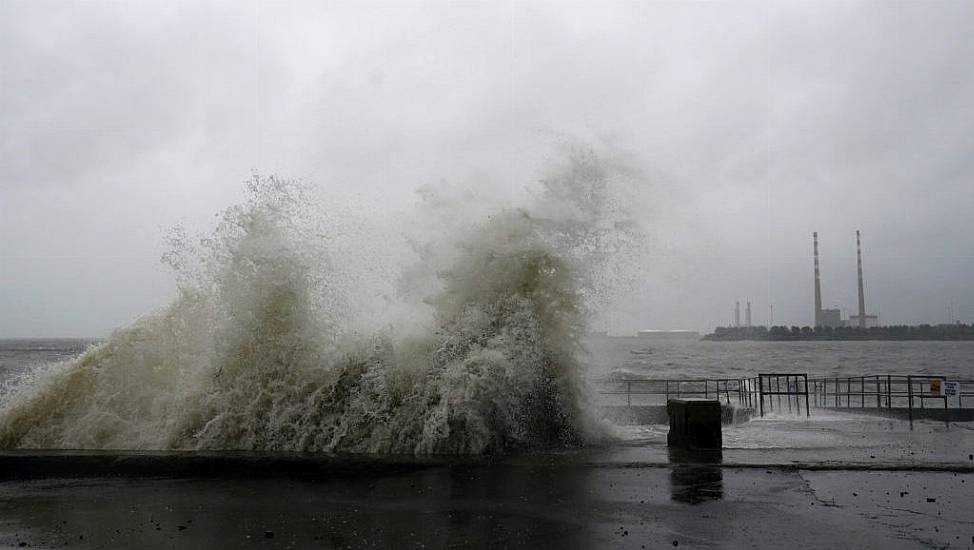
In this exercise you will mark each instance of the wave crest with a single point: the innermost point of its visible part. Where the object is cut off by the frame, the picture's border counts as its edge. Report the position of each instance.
(254, 353)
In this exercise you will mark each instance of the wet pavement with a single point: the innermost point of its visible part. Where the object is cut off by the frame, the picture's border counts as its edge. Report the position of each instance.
(825, 441)
(501, 505)
(839, 483)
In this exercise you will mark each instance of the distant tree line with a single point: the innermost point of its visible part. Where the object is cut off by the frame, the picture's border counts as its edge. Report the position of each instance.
(958, 331)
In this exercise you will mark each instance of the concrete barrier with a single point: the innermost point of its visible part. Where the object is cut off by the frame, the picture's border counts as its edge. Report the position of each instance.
(694, 424)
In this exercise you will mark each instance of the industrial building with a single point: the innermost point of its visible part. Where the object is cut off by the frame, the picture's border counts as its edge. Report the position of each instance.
(830, 318)
(668, 334)
(833, 317)
(853, 321)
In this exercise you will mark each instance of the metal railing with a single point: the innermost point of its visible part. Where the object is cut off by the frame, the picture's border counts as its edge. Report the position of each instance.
(796, 393)
(795, 388)
(771, 392)
(889, 391)
(648, 391)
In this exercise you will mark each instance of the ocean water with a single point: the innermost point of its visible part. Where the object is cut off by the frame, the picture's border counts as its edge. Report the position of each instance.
(617, 358)
(834, 436)
(21, 355)
(635, 358)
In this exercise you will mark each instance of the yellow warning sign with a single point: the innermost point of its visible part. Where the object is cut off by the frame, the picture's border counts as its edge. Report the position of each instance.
(936, 389)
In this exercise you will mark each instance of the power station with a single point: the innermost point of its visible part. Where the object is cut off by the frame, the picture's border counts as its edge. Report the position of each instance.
(833, 317)
(737, 315)
(823, 317)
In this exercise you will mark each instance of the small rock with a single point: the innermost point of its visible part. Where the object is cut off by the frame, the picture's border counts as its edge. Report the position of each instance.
(181, 527)
(268, 534)
(931, 499)
(676, 543)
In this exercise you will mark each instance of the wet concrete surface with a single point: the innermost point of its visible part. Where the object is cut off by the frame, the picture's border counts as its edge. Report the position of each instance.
(500, 506)
(825, 441)
(836, 483)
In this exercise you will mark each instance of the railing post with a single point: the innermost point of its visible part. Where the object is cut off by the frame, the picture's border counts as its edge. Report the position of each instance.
(889, 392)
(909, 394)
(629, 394)
(808, 412)
(946, 412)
(761, 393)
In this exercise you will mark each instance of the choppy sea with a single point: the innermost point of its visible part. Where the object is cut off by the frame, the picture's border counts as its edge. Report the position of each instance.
(617, 358)
(646, 358)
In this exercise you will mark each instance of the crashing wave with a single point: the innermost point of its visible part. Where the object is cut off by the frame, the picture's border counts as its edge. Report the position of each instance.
(255, 352)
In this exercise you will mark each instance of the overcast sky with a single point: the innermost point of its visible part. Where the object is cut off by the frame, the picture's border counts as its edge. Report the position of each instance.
(757, 124)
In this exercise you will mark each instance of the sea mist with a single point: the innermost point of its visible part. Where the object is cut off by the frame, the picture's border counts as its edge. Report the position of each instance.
(256, 351)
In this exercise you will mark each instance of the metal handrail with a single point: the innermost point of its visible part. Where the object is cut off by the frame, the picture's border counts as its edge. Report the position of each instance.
(891, 391)
(888, 390)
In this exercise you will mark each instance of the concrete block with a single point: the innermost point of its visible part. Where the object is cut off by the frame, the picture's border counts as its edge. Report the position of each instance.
(694, 424)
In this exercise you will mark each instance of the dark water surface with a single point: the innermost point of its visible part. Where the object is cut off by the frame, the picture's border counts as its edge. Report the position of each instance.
(635, 357)
(21, 354)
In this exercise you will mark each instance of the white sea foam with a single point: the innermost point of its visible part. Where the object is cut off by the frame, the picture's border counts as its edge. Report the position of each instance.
(264, 347)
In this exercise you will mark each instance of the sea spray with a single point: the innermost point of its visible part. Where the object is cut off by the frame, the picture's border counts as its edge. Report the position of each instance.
(255, 353)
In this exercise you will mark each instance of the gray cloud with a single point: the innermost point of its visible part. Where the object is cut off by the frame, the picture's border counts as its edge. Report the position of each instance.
(757, 122)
